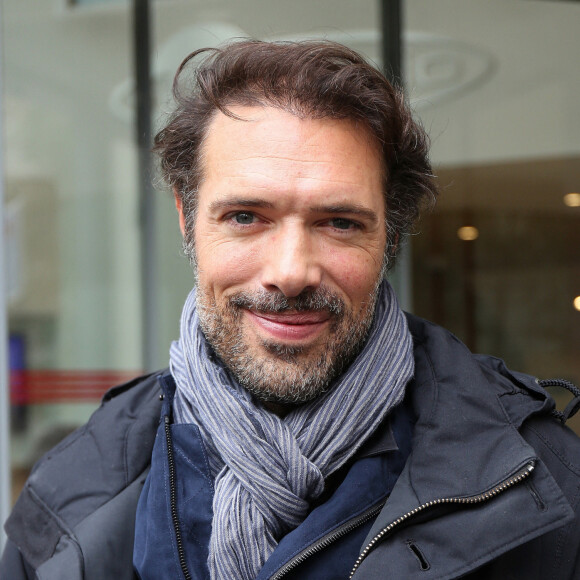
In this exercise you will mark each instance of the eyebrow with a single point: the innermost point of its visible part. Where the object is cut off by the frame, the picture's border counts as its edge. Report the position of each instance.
(239, 202)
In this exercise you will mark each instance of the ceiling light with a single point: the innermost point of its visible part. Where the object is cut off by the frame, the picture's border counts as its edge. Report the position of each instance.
(577, 303)
(572, 199)
(468, 233)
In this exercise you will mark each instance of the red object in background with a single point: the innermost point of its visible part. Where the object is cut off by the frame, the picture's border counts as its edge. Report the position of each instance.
(31, 387)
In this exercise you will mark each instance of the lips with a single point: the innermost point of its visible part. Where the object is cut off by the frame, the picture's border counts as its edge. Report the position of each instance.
(290, 326)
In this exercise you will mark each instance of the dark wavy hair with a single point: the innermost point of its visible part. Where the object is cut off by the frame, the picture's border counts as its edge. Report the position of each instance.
(313, 80)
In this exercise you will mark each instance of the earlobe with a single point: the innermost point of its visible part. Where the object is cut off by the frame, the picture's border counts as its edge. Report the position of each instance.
(179, 207)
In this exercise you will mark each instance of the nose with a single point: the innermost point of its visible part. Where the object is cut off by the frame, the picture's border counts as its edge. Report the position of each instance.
(291, 263)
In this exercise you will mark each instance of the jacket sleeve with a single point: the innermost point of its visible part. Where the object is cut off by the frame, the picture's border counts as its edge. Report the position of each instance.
(13, 566)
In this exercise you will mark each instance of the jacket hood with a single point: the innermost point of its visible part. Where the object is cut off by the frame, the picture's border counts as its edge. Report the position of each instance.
(468, 410)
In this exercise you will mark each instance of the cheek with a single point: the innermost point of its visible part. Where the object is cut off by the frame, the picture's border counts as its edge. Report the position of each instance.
(354, 273)
(223, 266)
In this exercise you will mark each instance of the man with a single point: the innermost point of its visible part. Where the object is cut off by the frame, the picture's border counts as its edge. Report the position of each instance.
(306, 428)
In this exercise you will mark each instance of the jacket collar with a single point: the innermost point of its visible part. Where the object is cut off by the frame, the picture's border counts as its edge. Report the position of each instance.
(465, 444)
(463, 428)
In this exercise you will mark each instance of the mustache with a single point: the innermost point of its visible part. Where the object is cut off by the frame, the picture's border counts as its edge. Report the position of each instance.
(320, 299)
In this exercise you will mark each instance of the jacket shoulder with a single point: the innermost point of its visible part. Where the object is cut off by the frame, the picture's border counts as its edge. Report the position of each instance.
(525, 403)
(87, 470)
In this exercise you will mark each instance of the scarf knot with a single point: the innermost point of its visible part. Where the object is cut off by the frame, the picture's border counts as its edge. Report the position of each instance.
(268, 469)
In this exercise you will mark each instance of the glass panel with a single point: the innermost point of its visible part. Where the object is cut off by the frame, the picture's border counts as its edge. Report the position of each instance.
(498, 263)
(71, 219)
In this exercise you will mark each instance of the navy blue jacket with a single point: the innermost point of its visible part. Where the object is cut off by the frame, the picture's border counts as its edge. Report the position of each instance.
(491, 487)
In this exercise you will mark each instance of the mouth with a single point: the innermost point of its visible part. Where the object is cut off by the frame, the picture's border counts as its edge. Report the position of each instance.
(290, 326)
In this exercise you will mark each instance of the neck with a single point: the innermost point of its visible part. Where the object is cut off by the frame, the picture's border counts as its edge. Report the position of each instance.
(280, 409)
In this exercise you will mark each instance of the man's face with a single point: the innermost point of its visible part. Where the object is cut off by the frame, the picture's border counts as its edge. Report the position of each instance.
(289, 245)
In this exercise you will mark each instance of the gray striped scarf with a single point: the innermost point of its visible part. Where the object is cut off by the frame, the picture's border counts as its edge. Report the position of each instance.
(269, 469)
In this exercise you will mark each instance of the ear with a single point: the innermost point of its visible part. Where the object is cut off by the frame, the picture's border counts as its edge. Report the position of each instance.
(179, 207)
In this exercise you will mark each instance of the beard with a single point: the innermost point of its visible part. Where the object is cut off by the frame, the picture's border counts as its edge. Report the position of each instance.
(277, 372)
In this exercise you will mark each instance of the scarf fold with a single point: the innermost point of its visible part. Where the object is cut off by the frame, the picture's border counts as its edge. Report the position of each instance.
(269, 469)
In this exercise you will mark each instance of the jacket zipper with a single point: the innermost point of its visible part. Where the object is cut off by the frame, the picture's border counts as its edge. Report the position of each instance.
(331, 537)
(346, 528)
(480, 498)
(173, 500)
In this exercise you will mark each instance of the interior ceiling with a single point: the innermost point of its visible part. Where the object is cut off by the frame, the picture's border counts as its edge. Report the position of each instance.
(525, 186)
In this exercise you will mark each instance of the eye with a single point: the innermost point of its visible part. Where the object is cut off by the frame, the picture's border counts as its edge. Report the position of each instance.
(343, 224)
(243, 218)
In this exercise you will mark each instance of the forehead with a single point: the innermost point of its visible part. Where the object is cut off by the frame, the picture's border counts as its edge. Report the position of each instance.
(264, 143)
